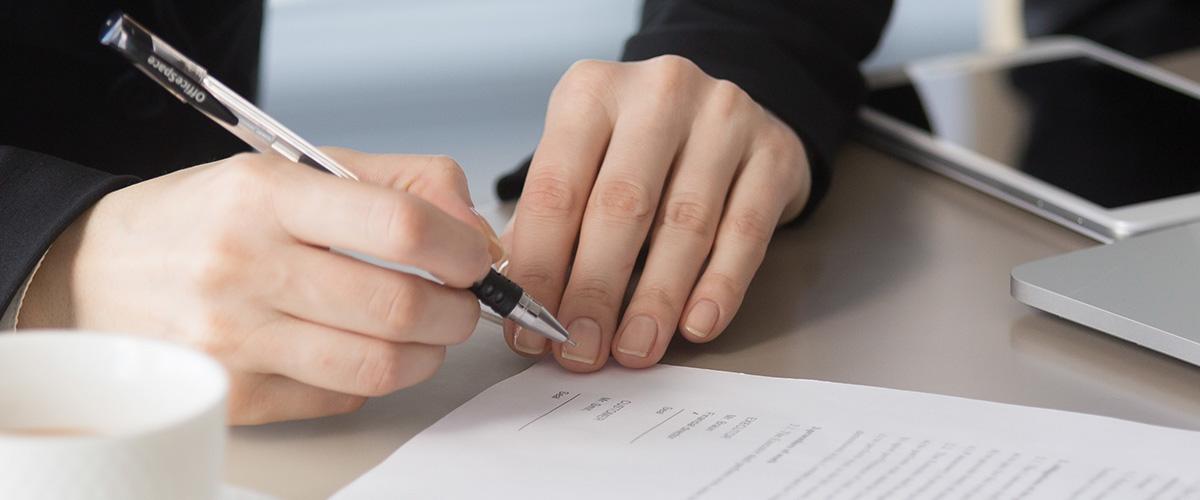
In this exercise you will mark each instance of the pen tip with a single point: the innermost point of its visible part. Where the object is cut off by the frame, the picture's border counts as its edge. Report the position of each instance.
(570, 343)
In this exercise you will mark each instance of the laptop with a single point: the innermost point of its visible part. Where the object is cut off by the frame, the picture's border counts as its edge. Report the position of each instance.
(1144, 289)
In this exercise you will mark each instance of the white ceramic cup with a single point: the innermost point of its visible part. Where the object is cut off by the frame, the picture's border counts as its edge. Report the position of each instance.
(89, 415)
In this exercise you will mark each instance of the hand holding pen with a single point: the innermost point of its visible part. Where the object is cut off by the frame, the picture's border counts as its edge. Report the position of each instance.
(191, 84)
(232, 257)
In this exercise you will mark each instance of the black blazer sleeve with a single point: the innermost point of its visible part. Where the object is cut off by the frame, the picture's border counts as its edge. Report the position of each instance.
(39, 197)
(79, 103)
(798, 58)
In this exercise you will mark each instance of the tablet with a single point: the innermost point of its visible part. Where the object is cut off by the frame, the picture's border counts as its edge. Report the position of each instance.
(1090, 138)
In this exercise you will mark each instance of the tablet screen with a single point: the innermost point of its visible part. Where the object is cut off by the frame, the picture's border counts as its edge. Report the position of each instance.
(1086, 127)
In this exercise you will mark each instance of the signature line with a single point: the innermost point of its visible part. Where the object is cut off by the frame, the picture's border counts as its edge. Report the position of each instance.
(656, 426)
(547, 413)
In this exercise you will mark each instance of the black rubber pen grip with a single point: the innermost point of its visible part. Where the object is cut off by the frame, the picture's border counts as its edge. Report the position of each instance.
(498, 293)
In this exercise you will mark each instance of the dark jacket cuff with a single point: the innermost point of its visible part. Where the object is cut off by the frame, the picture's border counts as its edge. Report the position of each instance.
(40, 196)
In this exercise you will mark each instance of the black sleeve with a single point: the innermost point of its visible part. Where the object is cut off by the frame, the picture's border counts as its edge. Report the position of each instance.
(798, 58)
(80, 103)
(39, 197)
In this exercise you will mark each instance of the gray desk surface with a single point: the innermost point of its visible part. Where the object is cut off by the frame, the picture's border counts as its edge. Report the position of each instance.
(900, 280)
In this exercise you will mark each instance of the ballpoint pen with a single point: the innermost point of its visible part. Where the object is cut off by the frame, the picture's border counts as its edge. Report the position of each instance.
(192, 84)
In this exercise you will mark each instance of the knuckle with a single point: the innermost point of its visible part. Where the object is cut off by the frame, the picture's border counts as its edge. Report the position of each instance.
(780, 147)
(784, 161)
(219, 337)
(245, 162)
(624, 201)
(379, 371)
(248, 169)
(728, 100)
(688, 217)
(244, 157)
(657, 297)
(549, 196)
(785, 169)
(398, 226)
(677, 62)
(793, 180)
(219, 267)
(446, 168)
(589, 70)
(753, 225)
(725, 285)
(672, 75)
(250, 401)
(389, 368)
(538, 276)
(673, 67)
(234, 188)
(472, 267)
(586, 83)
(395, 305)
(593, 290)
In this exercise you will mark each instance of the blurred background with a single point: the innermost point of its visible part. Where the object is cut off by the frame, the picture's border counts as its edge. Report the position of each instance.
(470, 78)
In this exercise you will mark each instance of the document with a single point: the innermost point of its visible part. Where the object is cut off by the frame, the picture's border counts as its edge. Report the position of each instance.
(687, 433)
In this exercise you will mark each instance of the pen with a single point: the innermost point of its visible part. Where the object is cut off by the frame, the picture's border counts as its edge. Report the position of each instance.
(192, 84)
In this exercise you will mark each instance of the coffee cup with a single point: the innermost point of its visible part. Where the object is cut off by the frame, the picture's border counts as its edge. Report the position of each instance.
(91, 415)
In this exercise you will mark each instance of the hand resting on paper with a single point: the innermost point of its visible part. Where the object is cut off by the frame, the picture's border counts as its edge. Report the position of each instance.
(653, 153)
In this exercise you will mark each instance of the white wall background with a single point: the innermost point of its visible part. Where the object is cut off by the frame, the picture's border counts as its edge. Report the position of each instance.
(470, 78)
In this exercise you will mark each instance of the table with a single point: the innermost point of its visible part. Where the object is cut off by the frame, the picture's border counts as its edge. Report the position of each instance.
(899, 280)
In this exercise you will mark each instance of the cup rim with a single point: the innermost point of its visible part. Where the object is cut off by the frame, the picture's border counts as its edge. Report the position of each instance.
(217, 397)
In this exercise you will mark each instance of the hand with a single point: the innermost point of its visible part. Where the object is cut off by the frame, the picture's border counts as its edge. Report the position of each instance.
(232, 258)
(658, 153)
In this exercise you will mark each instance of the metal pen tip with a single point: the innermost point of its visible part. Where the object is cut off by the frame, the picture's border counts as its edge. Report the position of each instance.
(527, 313)
(559, 333)
(570, 342)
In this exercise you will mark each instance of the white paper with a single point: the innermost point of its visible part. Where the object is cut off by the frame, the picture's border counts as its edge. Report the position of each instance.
(673, 432)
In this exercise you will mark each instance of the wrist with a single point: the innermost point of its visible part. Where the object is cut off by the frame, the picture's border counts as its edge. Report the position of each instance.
(8, 321)
(49, 299)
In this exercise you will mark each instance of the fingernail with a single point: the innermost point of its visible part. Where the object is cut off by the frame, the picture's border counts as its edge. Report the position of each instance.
(495, 248)
(529, 342)
(638, 337)
(586, 334)
(702, 319)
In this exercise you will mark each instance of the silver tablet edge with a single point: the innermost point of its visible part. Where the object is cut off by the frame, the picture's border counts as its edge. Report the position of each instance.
(881, 133)
(1059, 206)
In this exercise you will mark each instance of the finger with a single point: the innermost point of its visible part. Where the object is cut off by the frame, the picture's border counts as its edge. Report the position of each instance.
(436, 179)
(684, 228)
(256, 398)
(399, 227)
(559, 181)
(338, 360)
(619, 212)
(771, 178)
(347, 294)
